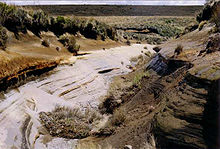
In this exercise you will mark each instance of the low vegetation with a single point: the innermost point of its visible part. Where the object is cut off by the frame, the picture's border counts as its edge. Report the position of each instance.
(154, 30)
(139, 76)
(69, 42)
(18, 19)
(118, 117)
(70, 122)
(201, 25)
(3, 38)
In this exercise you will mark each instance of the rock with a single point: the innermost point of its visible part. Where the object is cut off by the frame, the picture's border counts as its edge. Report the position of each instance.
(128, 147)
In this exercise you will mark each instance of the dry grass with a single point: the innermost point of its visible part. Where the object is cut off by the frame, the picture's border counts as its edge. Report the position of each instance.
(69, 42)
(201, 25)
(92, 145)
(118, 117)
(70, 122)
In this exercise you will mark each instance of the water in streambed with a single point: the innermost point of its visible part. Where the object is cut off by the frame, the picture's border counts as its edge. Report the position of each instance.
(74, 85)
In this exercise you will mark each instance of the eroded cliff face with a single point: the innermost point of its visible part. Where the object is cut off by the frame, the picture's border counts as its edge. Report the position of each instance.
(187, 116)
(188, 110)
(178, 102)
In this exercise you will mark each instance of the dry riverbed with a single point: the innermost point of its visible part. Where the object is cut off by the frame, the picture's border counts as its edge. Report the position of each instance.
(77, 85)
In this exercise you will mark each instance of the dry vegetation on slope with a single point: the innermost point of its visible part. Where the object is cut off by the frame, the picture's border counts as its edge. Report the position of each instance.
(150, 29)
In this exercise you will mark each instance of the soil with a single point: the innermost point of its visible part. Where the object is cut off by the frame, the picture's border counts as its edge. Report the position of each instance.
(177, 104)
(26, 56)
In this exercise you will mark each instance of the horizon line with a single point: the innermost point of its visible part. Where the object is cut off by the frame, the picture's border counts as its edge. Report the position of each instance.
(131, 3)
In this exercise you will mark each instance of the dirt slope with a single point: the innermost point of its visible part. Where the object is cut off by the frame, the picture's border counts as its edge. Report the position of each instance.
(178, 103)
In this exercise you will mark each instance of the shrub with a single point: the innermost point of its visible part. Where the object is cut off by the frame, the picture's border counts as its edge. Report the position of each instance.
(70, 122)
(40, 22)
(3, 37)
(178, 49)
(19, 20)
(15, 19)
(69, 41)
(5, 10)
(45, 43)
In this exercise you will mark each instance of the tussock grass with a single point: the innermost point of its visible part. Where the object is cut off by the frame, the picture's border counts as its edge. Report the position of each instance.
(69, 41)
(70, 122)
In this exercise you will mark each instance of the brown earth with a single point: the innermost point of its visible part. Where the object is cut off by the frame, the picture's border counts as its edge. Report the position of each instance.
(177, 104)
(26, 56)
(90, 44)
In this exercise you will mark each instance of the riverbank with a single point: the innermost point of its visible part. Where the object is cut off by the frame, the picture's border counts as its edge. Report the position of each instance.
(77, 85)
(27, 57)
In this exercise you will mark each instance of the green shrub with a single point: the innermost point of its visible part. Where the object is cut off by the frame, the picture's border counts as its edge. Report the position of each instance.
(40, 22)
(3, 37)
(5, 10)
(19, 20)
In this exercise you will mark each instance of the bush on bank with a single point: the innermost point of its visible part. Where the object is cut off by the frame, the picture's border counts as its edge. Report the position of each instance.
(17, 19)
(3, 38)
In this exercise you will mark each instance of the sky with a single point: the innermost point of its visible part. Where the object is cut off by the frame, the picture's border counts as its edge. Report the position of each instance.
(105, 2)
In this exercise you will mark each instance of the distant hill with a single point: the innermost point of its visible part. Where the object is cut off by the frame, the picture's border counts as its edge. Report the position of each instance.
(119, 10)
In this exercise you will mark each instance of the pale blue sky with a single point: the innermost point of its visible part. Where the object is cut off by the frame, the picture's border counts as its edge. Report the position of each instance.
(103, 2)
